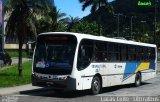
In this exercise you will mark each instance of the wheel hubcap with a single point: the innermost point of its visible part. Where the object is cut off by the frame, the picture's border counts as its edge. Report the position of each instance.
(138, 80)
(96, 85)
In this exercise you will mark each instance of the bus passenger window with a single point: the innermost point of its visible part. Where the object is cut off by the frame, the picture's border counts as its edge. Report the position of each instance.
(85, 54)
(101, 52)
(152, 54)
(145, 55)
(123, 52)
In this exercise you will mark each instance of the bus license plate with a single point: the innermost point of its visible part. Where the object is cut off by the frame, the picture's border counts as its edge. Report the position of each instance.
(49, 83)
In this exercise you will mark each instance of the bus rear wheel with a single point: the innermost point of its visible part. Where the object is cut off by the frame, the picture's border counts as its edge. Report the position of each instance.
(138, 79)
(96, 85)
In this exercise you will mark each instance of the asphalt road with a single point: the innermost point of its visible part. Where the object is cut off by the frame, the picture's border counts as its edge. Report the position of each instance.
(148, 88)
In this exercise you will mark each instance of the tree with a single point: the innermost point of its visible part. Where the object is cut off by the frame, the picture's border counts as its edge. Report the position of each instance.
(53, 21)
(43, 24)
(96, 5)
(85, 27)
(140, 15)
(71, 22)
(59, 21)
(128, 9)
(22, 18)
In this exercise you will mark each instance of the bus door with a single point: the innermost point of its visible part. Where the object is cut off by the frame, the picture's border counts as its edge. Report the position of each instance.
(85, 57)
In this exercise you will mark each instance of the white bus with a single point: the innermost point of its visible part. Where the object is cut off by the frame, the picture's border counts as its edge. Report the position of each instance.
(72, 61)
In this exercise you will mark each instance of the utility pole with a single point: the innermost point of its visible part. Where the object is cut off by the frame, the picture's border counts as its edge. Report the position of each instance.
(99, 19)
(155, 20)
(118, 23)
(118, 26)
(143, 22)
(131, 26)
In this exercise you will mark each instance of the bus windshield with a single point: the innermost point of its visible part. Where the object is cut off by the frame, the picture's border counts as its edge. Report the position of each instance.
(55, 52)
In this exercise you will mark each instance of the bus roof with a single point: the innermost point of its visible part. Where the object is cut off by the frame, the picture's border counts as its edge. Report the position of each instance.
(101, 38)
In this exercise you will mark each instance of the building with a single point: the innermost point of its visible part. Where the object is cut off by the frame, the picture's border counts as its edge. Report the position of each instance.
(0, 13)
(11, 42)
(0, 24)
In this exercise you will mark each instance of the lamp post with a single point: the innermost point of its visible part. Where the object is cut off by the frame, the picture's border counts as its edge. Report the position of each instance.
(99, 19)
(126, 33)
(155, 20)
(131, 25)
(143, 24)
(118, 23)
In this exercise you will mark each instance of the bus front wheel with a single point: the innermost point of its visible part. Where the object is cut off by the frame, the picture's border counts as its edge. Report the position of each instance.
(96, 85)
(138, 79)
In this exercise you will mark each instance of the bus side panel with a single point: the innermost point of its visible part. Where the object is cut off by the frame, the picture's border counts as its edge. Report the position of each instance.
(147, 75)
(87, 75)
(79, 81)
(112, 80)
(87, 81)
(129, 80)
(116, 73)
(147, 70)
(113, 74)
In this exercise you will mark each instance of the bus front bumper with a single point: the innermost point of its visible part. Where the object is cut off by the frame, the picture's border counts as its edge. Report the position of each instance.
(67, 84)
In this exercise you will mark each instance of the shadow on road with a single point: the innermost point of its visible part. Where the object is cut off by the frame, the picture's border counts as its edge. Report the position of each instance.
(48, 92)
(118, 87)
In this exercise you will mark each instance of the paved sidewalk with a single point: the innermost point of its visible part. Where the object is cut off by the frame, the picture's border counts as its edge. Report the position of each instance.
(15, 60)
(18, 89)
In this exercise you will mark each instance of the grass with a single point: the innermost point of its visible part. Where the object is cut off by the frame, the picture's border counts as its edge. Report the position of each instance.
(158, 59)
(14, 53)
(9, 76)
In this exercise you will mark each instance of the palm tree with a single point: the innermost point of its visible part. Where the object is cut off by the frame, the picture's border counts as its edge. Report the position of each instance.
(59, 20)
(95, 6)
(43, 25)
(53, 21)
(21, 22)
(71, 22)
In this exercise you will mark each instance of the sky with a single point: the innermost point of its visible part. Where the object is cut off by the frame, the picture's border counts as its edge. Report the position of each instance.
(72, 8)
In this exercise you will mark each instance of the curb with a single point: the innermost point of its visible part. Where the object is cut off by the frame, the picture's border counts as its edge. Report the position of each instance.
(34, 90)
(22, 89)
(25, 91)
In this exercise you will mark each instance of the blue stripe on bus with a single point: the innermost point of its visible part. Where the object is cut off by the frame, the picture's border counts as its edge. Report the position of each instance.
(131, 67)
(152, 66)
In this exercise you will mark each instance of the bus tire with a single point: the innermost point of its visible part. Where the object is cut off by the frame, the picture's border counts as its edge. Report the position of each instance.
(138, 79)
(96, 85)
